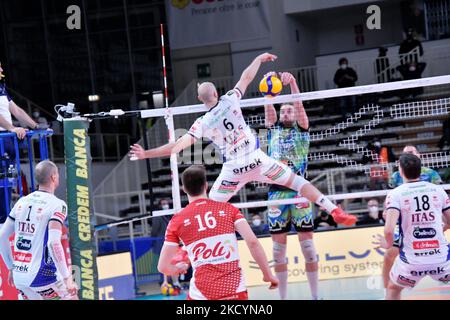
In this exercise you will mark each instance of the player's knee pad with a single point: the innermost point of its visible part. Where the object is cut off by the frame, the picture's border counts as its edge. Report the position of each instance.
(279, 253)
(309, 251)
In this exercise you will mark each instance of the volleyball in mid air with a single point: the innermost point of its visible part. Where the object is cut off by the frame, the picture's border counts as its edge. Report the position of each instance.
(270, 86)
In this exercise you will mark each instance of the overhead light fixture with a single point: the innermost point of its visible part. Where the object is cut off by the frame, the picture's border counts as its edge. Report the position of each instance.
(94, 98)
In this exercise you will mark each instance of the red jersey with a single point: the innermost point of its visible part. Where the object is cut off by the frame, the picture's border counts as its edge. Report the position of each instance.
(207, 230)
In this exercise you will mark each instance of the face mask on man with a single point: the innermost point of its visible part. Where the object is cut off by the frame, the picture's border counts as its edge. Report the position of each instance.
(373, 212)
(344, 66)
(257, 222)
(165, 207)
(36, 114)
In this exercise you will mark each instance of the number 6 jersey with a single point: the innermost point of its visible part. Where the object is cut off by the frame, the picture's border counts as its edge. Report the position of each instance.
(421, 226)
(32, 264)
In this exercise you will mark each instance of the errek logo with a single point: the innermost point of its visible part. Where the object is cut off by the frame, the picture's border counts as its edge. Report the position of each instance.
(439, 270)
(247, 168)
(420, 245)
(424, 233)
(201, 251)
(427, 253)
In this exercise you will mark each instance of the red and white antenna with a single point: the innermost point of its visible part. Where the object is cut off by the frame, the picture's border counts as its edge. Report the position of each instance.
(166, 91)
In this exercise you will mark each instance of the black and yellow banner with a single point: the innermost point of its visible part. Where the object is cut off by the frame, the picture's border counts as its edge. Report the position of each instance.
(80, 207)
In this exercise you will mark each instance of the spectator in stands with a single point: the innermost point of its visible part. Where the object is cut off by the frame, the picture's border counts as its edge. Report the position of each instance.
(380, 156)
(258, 226)
(382, 65)
(343, 78)
(324, 220)
(408, 45)
(8, 109)
(373, 215)
(445, 140)
(38, 118)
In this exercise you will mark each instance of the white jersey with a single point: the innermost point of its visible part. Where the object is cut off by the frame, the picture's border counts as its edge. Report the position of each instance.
(225, 126)
(32, 264)
(421, 225)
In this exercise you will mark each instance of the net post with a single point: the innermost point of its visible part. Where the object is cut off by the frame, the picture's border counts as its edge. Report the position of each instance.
(173, 162)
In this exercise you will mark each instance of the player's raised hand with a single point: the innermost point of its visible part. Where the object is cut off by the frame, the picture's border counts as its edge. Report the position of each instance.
(136, 152)
(267, 57)
(273, 281)
(286, 78)
(380, 242)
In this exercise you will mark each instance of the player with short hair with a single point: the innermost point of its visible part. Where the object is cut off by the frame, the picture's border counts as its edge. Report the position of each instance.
(288, 141)
(396, 180)
(38, 265)
(207, 230)
(225, 126)
(422, 208)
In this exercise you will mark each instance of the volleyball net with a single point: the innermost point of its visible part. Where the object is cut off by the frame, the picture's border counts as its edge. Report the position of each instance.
(345, 127)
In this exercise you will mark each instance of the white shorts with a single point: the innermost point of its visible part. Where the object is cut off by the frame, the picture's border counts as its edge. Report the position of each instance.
(256, 166)
(408, 275)
(55, 291)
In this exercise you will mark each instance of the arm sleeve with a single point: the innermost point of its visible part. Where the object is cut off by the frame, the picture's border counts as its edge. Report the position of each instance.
(445, 200)
(197, 129)
(237, 214)
(172, 238)
(234, 95)
(392, 201)
(5, 248)
(59, 213)
(56, 251)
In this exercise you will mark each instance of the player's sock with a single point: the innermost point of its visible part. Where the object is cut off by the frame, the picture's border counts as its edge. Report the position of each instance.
(326, 203)
(313, 280)
(282, 283)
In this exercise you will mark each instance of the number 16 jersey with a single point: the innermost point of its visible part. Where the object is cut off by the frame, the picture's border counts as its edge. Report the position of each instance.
(207, 229)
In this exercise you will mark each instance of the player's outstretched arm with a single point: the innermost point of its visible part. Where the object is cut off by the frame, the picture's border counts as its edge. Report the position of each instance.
(249, 74)
(299, 110)
(391, 216)
(139, 153)
(257, 252)
(56, 251)
(167, 263)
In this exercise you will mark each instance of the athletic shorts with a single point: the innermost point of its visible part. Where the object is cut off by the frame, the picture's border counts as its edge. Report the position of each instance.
(55, 291)
(256, 166)
(238, 296)
(408, 275)
(281, 218)
(397, 237)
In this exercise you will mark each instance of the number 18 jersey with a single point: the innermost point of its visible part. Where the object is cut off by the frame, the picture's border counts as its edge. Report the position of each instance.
(421, 225)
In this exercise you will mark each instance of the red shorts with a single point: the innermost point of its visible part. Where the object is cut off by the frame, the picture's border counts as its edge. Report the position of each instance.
(238, 296)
